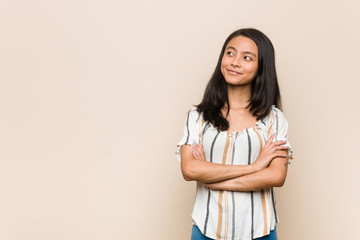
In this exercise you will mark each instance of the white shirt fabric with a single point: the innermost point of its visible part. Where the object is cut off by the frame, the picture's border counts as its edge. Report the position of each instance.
(229, 214)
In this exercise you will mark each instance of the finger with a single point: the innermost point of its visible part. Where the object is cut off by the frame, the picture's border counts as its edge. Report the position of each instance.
(279, 154)
(281, 142)
(194, 151)
(277, 148)
(276, 144)
(270, 140)
(201, 145)
(200, 151)
(274, 148)
(197, 156)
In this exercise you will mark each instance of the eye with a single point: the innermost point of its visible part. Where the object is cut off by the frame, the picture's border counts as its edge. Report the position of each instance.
(229, 53)
(248, 58)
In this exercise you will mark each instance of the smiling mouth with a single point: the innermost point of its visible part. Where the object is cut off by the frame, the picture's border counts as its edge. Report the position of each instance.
(233, 72)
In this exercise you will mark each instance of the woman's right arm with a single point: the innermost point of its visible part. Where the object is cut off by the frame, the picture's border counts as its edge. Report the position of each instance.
(194, 167)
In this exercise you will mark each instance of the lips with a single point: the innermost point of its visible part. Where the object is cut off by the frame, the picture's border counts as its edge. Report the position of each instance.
(233, 72)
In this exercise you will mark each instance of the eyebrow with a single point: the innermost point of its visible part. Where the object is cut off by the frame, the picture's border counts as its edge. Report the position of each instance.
(246, 52)
(251, 53)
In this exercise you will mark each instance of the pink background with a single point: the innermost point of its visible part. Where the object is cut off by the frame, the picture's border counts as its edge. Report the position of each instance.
(93, 97)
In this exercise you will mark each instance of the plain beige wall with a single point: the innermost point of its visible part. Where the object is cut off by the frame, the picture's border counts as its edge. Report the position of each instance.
(93, 98)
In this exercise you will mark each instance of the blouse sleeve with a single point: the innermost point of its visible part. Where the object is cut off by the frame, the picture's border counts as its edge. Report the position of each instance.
(191, 131)
(280, 130)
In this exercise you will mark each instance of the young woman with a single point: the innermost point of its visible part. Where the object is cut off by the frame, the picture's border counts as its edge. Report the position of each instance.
(235, 143)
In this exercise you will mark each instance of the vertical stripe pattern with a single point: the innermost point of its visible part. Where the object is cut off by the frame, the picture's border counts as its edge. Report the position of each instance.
(263, 204)
(233, 215)
(263, 200)
(201, 133)
(226, 214)
(208, 197)
(212, 147)
(273, 203)
(260, 140)
(221, 193)
(205, 128)
(230, 214)
(251, 193)
(187, 128)
(272, 190)
(233, 153)
(233, 195)
(269, 130)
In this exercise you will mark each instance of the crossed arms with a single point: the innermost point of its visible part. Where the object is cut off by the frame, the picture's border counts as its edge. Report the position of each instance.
(269, 169)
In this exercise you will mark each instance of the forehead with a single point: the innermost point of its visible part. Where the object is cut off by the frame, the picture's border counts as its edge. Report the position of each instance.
(241, 43)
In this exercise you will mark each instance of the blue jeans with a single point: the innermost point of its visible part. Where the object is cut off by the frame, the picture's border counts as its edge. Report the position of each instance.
(197, 235)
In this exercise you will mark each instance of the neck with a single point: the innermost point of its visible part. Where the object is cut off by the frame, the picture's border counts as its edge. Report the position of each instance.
(239, 96)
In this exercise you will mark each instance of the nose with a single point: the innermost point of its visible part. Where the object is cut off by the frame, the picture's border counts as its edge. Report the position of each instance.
(235, 62)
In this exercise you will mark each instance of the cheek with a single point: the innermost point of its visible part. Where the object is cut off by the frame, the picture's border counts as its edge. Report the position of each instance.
(254, 69)
(223, 66)
(225, 61)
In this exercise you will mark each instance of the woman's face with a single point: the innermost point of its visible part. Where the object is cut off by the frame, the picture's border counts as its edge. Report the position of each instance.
(239, 64)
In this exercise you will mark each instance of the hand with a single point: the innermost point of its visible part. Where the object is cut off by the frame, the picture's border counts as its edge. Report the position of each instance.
(270, 151)
(198, 151)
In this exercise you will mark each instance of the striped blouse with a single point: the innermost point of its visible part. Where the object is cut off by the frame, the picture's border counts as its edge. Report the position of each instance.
(230, 214)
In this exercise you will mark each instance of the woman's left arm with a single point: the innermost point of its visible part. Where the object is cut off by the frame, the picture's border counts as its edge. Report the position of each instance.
(272, 176)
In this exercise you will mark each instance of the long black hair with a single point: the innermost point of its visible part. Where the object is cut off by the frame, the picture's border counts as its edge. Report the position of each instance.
(264, 87)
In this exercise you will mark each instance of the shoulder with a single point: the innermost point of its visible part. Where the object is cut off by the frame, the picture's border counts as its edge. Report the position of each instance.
(193, 114)
(276, 112)
(278, 117)
(275, 115)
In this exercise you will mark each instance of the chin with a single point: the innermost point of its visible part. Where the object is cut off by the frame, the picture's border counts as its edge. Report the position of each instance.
(238, 83)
